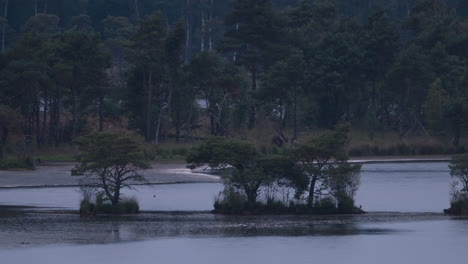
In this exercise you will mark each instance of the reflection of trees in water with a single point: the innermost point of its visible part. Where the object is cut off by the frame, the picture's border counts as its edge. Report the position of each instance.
(115, 230)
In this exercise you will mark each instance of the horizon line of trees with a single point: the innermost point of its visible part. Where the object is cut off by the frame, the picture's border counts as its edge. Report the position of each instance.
(298, 64)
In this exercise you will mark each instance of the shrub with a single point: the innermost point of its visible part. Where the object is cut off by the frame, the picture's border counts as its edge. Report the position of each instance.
(325, 206)
(232, 202)
(346, 205)
(26, 163)
(274, 150)
(87, 207)
(129, 206)
(103, 206)
(458, 205)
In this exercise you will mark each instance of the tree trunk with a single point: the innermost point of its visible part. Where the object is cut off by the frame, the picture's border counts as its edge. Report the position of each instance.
(149, 104)
(253, 112)
(45, 6)
(4, 25)
(3, 139)
(44, 117)
(51, 121)
(38, 123)
(74, 113)
(312, 191)
(210, 37)
(158, 126)
(188, 127)
(35, 8)
(55, 118)
(295, 114)
(187, 31)
(456, 138)
(115, 200)
(101, 113)
(234, 56)
(137, 12)
(251, 195)
(177, 128)
(169, 108)
(212, 125)
(203, 28)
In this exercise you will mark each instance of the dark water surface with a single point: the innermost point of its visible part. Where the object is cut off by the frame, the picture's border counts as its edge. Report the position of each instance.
(418, 234)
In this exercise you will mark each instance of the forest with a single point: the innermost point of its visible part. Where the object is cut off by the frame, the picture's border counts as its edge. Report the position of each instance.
(265, 71)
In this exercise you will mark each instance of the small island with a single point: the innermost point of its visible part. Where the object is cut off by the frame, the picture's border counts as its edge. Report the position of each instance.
(108, 162)
(459, 171)
(310, 178)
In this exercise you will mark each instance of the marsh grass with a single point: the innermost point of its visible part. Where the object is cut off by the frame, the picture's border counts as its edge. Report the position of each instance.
(236, 203)
(17, 164)
(102, 206)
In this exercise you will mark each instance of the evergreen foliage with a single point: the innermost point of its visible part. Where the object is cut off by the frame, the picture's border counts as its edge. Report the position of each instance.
(187, 69)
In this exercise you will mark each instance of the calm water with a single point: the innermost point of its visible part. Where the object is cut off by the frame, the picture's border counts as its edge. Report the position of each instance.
(402, 187)
(419, 234)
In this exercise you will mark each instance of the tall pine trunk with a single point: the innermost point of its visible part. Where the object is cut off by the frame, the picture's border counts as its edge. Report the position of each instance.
(44, 117)
(149, 104)
(203, 29)
(169, 108)
(3, 137)
(38, 122)
(188, 125)
(313, 182)
(187, 31)
(158, 126)
(5, 14)
(74, 113)
(101, 113)
(253, 110)
(115, 200)
(295, 114)
(210, 37)
(137, 12)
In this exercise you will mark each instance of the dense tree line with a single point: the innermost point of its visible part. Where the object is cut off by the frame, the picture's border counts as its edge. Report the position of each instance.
(175, 67)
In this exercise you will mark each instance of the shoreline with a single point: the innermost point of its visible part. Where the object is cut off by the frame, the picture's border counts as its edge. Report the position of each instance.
(72, 185)
(57, 174)
(20, 209)
(356, 159)
(400, 159)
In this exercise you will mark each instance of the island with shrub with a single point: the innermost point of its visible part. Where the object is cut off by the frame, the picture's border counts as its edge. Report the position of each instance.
(313, 177)
(459, 171)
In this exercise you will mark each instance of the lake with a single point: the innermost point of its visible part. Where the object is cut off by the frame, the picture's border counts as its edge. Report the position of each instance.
(404, 225)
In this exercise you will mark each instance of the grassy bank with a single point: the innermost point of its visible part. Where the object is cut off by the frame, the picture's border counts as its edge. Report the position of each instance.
(362, 144)
(17, 164)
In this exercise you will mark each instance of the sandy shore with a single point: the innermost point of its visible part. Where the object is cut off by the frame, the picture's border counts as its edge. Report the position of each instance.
(401, 159)
(59, 175)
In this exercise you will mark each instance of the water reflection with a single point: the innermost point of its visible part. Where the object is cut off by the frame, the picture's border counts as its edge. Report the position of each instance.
(28, 235)
(38, 228)
(206, 238)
